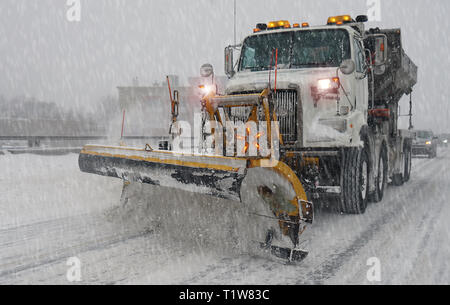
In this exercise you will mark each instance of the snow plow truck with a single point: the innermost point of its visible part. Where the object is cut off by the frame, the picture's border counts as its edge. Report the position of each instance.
(309, 114)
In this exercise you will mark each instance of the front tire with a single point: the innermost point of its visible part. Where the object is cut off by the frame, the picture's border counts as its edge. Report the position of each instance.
(355, 184)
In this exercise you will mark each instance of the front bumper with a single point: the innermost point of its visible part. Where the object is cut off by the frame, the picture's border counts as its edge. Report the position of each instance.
(422, 149)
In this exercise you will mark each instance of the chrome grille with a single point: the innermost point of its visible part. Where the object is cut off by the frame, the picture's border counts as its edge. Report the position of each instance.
(239, 114)
(286, 107)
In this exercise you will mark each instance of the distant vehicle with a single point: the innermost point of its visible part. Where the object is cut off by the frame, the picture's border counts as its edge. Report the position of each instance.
(425, 143)
(443, 140)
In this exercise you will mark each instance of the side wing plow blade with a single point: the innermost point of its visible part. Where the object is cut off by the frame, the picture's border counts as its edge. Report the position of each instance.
(212, 175)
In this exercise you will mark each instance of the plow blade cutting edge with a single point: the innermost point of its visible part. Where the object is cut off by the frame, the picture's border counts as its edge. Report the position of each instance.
(272, 195)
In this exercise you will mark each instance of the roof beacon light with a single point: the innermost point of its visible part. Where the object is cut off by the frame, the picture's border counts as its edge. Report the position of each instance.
(305, 25)
(339, 20)
(274, 25)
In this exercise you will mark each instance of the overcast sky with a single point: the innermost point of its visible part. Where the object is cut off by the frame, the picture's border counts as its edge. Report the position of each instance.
(44, 55)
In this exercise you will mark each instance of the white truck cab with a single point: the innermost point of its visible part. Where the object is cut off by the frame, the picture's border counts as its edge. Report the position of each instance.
(332, 103)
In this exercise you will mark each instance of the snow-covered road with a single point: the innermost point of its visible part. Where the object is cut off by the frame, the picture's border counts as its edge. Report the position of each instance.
(49, 212)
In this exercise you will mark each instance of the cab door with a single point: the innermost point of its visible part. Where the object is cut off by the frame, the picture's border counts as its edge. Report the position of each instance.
(361, 82)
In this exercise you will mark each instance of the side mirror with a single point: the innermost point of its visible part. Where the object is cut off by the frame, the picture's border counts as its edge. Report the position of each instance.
(229, 62)
(347, 67)
(176, 103)
(206, 70)
(362, 18)
(380, 49)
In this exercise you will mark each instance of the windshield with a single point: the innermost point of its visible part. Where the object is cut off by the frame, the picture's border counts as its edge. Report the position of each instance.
(424, 134)
(296, 49)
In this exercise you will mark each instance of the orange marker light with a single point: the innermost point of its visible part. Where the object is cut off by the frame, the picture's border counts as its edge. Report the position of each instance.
(278, 24)
(339, 20)
(336, 80)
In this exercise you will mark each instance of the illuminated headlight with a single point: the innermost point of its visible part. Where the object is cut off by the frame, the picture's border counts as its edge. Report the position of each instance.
(327, 84)
(445, 141)
(339, 125)
(428, 142)
(206, 89)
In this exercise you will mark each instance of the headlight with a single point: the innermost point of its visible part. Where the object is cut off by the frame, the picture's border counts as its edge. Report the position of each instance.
(206, 89)
(428, 142)
(329, 83)
(445, 141)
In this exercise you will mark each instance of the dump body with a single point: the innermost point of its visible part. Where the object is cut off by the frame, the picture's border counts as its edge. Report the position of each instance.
(399, 74)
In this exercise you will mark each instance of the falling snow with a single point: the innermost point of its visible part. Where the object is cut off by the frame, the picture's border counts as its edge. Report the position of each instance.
(60, 69)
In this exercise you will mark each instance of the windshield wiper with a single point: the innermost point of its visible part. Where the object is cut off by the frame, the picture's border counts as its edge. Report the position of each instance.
(312, 64)
(256, 68)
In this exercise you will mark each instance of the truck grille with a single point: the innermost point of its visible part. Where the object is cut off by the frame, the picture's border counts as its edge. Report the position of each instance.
(286, 107)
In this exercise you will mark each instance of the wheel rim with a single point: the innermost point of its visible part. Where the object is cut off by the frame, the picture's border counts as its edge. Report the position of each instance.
(364, 180)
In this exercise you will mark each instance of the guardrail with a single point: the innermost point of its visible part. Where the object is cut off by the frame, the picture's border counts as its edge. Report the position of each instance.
(34, 141)
(76, 138)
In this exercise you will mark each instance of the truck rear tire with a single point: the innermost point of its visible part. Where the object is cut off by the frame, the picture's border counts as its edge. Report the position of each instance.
(355, 184)
(408, 164)
(381, 180)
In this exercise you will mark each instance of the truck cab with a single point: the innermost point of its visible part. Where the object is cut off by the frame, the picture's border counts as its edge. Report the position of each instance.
(321, 105)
